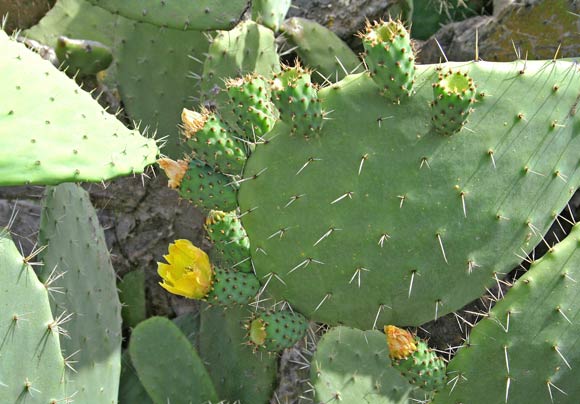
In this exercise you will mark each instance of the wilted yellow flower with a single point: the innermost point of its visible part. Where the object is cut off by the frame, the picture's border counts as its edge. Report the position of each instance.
(175, 170)
(188, 272)
(193, 121)
(401, 342)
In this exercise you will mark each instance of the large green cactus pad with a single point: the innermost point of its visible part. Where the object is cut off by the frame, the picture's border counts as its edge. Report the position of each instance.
(237, 372)
(76, 249)
(32, 367)
(386, 222)
(527, 349)
(52, 131)
(168, 366)
(353, 366)
(180, 14)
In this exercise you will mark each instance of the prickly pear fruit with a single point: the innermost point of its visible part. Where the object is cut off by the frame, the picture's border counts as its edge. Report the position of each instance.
(251, 104)
(415, 360)
(390, 58)
(231, 246)
(454, 93)
(297, 99)
(212, 141)
(275, 331)
(200, 184)
(232, 288)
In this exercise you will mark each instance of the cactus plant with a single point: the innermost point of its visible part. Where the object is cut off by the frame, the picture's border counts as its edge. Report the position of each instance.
(237, 373)
(51, 131)
(32, 366)
(527, 347)
(351, 365)
(76, 248)
(168, 365)
(207, 14)
(132, 297)
(351, 252)
(142, 55)
(83, 58)
(321, 50)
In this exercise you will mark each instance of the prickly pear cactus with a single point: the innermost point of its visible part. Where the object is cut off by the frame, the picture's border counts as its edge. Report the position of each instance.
(31, 366)
(180, 14)
(52, 131)
(276, 330)
(248, 48)
(526, 349)
(352, 365)
(237, 372)
(386, 221)
(81, 57)
(321, 49)
(168, 365)
(231, 247)
(78, 257)
(270, 13)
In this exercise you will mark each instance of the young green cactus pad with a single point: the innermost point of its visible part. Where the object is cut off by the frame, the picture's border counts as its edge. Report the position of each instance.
(270, 13)
(179, 14)
(411, 225)
(85, 58)
(168, 365)
(415, 360)
(76, 250)
(237, 372)
(32, 366)
(296, 97)
(390, 58)
(200, 184)
(352, 365)
(320, 49)
(252, 106)
(454, 94)
(231, 247)
(51, 131)
(527, 348)
(212, 141)
(277, 330)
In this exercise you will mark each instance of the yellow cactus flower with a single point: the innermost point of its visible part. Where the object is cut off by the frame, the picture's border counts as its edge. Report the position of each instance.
(175, 170)
(401, 342)
(188, 271)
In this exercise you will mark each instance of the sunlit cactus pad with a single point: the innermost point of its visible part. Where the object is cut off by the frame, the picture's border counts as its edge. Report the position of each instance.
(52, 131)
(527, 349)
(378, 219)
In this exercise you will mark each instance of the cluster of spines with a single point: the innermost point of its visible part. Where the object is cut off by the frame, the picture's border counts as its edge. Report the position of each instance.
(390, 58)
